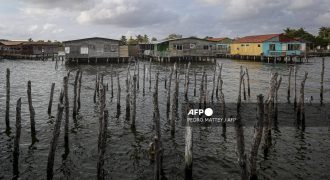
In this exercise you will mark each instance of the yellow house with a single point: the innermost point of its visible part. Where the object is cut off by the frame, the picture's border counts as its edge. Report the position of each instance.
(250, 45)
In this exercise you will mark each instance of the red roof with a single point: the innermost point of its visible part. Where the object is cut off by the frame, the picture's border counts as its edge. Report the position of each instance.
(256, 39)
(217, 39)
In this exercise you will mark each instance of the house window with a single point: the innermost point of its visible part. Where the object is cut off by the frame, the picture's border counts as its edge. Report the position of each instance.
(206, 47)
(258, 45)
(247, 45)
(83, 50)
(293, 47)
(242, 45)
(192, 46)
(67, 50)
(178, 47)
(272, 47)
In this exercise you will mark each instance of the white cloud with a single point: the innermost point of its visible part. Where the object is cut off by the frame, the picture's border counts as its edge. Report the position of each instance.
(323, 19)
(33, 27)
(126, 13)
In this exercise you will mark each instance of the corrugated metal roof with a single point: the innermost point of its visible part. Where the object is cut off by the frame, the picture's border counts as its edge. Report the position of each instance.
(11, 43)
(256, 38)
(217, 39)
(90, 39)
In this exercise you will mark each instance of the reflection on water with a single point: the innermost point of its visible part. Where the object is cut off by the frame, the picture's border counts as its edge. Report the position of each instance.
(294, 155)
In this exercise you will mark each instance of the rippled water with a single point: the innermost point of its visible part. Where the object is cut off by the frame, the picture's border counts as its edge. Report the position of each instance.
(294, 155)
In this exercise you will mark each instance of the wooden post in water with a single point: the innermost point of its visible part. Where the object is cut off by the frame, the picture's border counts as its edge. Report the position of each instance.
(174, 100)
(187, 82)
(300, 107)
(256, 138)
(188, 156)
(244, 92)
(277, 87)
(248, 81)
(213, 82)
(118, 92)
(54, 141)
(144, 78)
(218, 81)
(67, 114)
(295, 88)
(195, 82)
(103, 127)
(17, 139)
(96, 88)
(32, 114)
(201, 90)
(240, 147)
(79, 91)
(205, 90)
(150, 75)
(138, 76)
(169, 92)
(74, 111)
(133, 102)
(7, 101)
(51, 100)
(111, 77)
(322, 77)
(223, 108)
(270, 113)
(158, 144)
(289, 84)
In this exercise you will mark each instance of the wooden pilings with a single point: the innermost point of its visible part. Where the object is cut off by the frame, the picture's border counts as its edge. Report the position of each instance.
(169, 92)
(240, 147)
(7, 101)
(133, 102)
(213, 82)
(158, 144)
(79, 92)
(32, 114)
(195, 82)
(67, 114)
(188, 155)
(174, 100)
(269, 112)
(248, 81)
(103, 127)
(295, 88)
(256, 138)
(75, 92)
(300, 118)
(289, 85)
(111, 78)
(186, 87)
(50, 104)
(322, 78)
(118, 95)
(144, 78)
(54, 141)
(277, 87)
(17, 140)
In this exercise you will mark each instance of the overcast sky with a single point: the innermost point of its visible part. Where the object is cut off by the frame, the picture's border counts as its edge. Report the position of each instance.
(70, 19)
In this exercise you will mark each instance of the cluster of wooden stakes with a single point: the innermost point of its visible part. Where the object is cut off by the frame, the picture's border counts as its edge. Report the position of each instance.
(266, 114)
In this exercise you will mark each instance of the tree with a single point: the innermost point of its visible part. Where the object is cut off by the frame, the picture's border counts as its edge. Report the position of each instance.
(139, 38)
(174, 36)
(123, 40)
(131, 41)
(30, 40)
(153, 39)
(145, 38)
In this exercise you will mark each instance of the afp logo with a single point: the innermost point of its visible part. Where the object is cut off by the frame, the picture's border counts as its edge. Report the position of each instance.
(207, 112)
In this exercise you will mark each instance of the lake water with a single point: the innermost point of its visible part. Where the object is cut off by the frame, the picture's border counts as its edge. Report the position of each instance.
(294, 154)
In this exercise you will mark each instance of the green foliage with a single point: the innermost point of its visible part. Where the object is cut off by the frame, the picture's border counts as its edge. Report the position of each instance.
(174, 36)
(123, 40)
(322, 39)
(153, 39)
